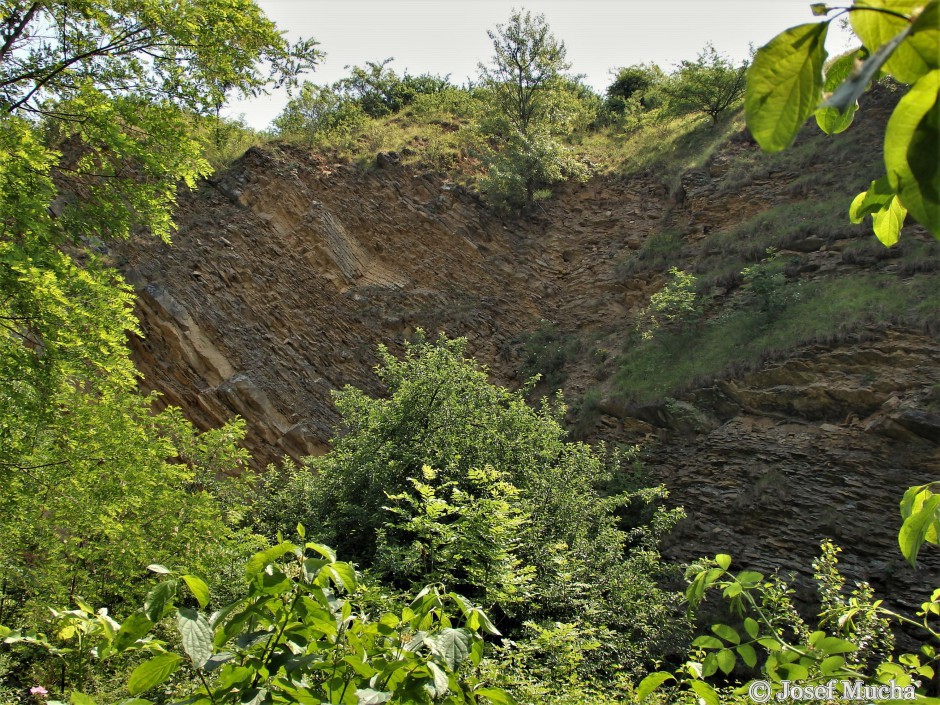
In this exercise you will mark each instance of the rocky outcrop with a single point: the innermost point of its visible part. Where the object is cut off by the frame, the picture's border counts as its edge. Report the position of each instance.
(288, 270)
(820, 445)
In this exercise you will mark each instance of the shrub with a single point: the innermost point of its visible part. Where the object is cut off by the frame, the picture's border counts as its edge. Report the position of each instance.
(451, 478)
(673, 305)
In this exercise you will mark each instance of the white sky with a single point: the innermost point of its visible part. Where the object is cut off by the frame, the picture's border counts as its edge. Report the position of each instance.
(449, 36)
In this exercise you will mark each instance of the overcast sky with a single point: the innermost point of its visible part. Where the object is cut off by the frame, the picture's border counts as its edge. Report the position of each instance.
(449, 36)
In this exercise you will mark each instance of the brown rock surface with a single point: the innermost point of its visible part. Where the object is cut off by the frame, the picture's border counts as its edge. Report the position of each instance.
(289, 269)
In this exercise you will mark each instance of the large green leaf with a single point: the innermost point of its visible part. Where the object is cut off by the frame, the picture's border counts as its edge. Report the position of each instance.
(833, 120)
(651, 683)
(784, 84)
(747, 654)
(888, 221)
(158, 599)
(727, 633)
(256, 564)
(877, 197)
(833, 645)
(497, 696)
(198, 588)
(452, 645)
(705, 692)
(133, 628)
(912, 58)
(152, 673)
(726, 660)
(441, 686)
(912, 149)
(197, 636)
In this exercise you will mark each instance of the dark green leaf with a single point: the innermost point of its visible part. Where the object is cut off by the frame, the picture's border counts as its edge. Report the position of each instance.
(451, 645)
(441, 686)
(197, 636)
(784, 84)
(217, 660)
(152, 673)
(133, 628)
(158, 599)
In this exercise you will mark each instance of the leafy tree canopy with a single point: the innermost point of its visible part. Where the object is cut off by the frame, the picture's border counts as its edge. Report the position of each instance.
(711, 85)
(97, 103)
(633, 83)
(527, 59)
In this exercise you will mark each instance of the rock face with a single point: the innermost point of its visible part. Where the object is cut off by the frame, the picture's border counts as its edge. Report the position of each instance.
(288, 271)
(819, 446)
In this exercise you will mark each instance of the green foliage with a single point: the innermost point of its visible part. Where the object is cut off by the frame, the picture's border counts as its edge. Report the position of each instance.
(526, 164)
(711, 85)
(675, 304)
(379, 91)
(900, 38)
(96, 485)
(511, 514)
(332, 113)
(769, 284)
(464, 539)
(319, 111)
(297, 634)
(527, 60)
(545, 352)
(853, 641)
(920, 512)
(634, 86)
(530, 102)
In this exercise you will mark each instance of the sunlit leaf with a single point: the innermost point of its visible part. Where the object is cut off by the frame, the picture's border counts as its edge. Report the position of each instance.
(784, 84)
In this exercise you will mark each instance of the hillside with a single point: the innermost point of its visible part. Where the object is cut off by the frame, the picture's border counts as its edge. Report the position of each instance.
(772, 430)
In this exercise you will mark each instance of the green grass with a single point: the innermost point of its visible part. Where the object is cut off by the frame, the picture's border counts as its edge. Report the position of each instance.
(824, 312)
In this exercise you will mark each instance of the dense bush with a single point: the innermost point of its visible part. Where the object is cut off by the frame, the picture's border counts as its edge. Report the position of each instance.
(450, 478)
